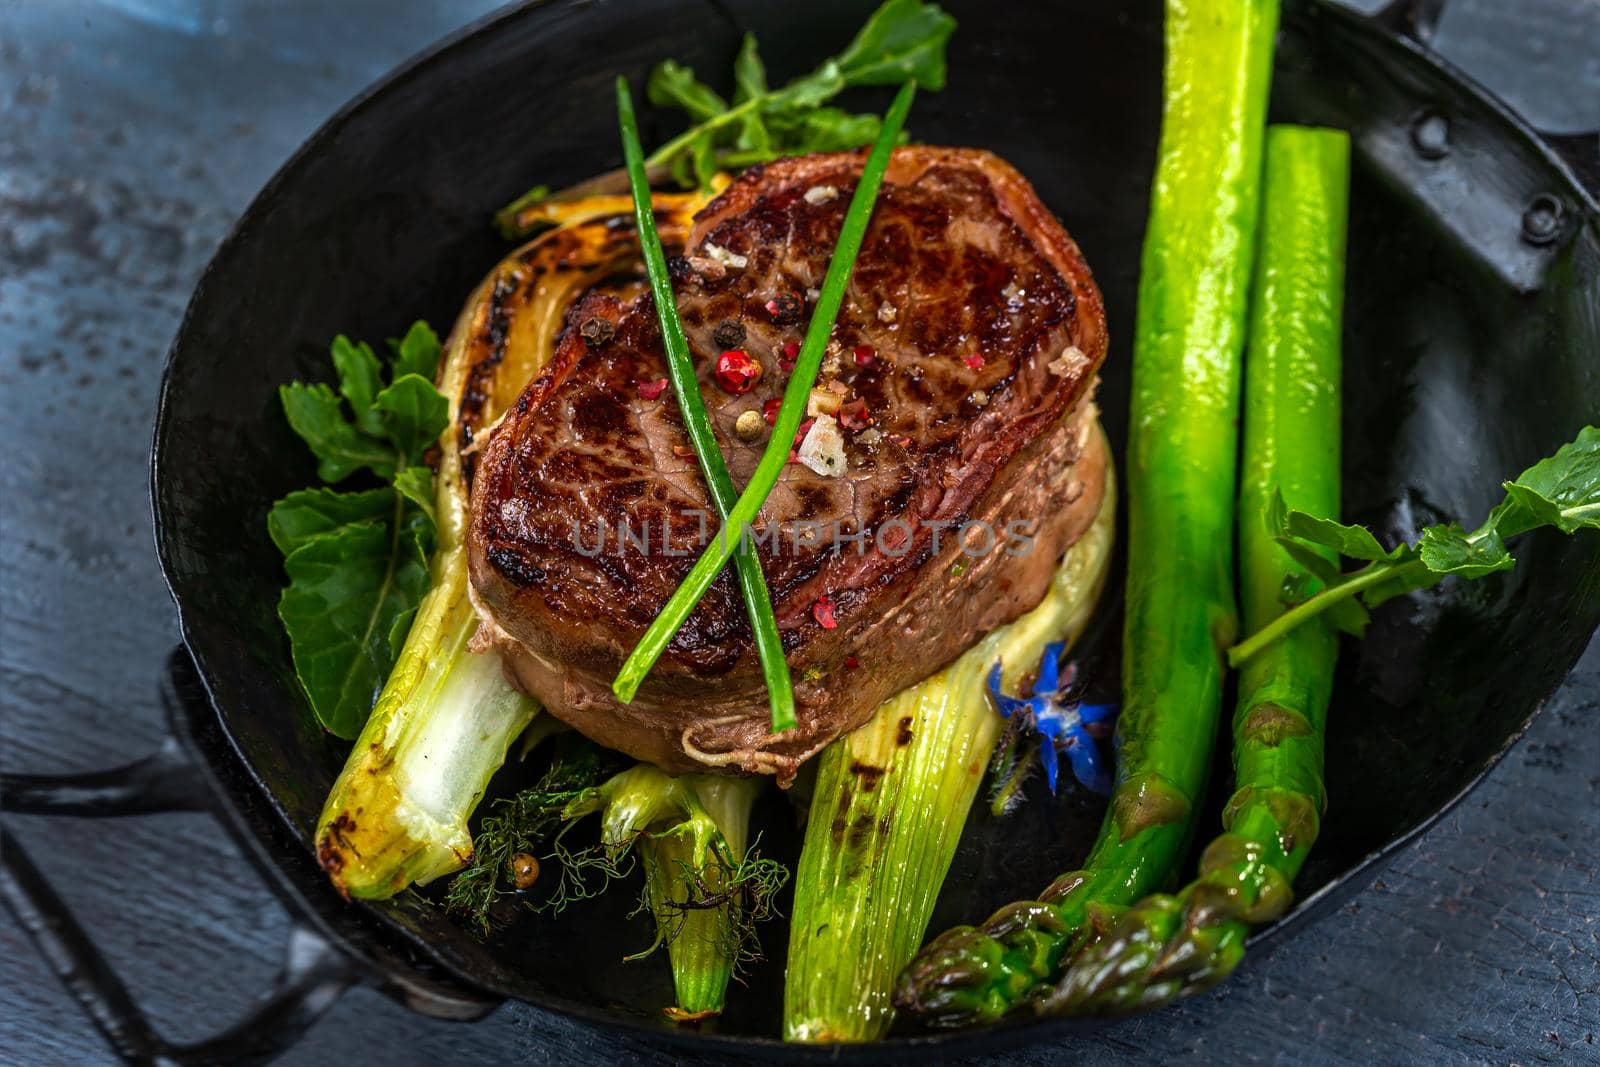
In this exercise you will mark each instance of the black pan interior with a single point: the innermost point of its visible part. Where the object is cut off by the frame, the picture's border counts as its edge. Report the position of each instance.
(1470, 352)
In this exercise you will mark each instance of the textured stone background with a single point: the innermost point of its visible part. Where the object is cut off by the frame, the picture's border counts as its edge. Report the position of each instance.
(132, 132)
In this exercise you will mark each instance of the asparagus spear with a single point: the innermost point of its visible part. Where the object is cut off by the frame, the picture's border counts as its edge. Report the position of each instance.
(1168, 946)
(889, 805)
(1188, 335)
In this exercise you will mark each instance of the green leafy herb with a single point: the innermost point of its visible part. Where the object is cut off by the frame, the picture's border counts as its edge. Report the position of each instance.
(902, 40)
(1562, 491)
(643, 811)
(358, 561)
(417, 352)
(532, 820)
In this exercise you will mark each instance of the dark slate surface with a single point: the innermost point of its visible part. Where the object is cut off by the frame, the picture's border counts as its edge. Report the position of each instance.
(131, 133)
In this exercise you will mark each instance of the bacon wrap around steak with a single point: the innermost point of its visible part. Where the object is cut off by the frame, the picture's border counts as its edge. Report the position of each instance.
(969, 337)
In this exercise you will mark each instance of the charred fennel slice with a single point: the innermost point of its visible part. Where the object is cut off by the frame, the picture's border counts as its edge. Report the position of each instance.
(398, 813)
(443, 721)
(890, 803)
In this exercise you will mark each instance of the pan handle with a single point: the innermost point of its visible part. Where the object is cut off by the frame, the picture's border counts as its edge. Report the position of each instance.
(314, 975)
(1417, 20)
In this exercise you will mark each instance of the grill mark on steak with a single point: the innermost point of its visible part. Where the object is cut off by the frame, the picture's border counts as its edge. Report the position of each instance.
(986, 292)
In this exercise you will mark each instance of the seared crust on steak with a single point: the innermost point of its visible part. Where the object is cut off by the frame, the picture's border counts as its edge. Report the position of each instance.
(979, 331)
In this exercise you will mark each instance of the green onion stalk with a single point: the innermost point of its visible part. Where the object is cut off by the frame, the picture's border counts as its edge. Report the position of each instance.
(889, 805)
(1168, 946)
(1188, 338)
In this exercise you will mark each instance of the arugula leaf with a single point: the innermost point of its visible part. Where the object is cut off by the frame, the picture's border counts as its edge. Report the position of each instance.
(671, 84)
(903, 39)
(414, 415)
(1355, 542)
(1397, 580)
(360, 379)
(344, 588)
(358, 561)
(814, 89)
(317, 415)
(750, 83)
(307, 514)
(1562, 491)
(1448, 549)
(826, 129)
(417, 352)
(1349, 616)
(416, 485)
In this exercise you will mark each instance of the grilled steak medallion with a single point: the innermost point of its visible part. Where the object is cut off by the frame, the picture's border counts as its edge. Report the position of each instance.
(959, 379)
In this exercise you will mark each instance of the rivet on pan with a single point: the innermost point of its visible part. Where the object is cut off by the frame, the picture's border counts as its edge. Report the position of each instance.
(1541, 221)
(1430, 135)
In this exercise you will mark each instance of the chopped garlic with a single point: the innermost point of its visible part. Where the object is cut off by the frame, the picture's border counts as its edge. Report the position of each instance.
(826, 399)
(820, 194)
(870, 436)
(813, 294)
(725, 257)
(823, 448)
(1071, 361)
(979, 397)
(887, 313)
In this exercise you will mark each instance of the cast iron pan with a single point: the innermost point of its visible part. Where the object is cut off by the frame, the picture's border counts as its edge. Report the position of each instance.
(1473, 323)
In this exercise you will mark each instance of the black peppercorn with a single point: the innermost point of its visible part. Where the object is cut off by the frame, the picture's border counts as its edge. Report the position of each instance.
(597, 331)
(729, 334)
(786, 308)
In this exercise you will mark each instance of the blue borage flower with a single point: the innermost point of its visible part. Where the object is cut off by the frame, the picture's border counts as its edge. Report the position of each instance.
(1062, 723)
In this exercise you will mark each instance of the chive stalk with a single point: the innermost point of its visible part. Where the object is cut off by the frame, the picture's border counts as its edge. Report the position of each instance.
(1170, 946)
(680, 369)
(795, 395)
